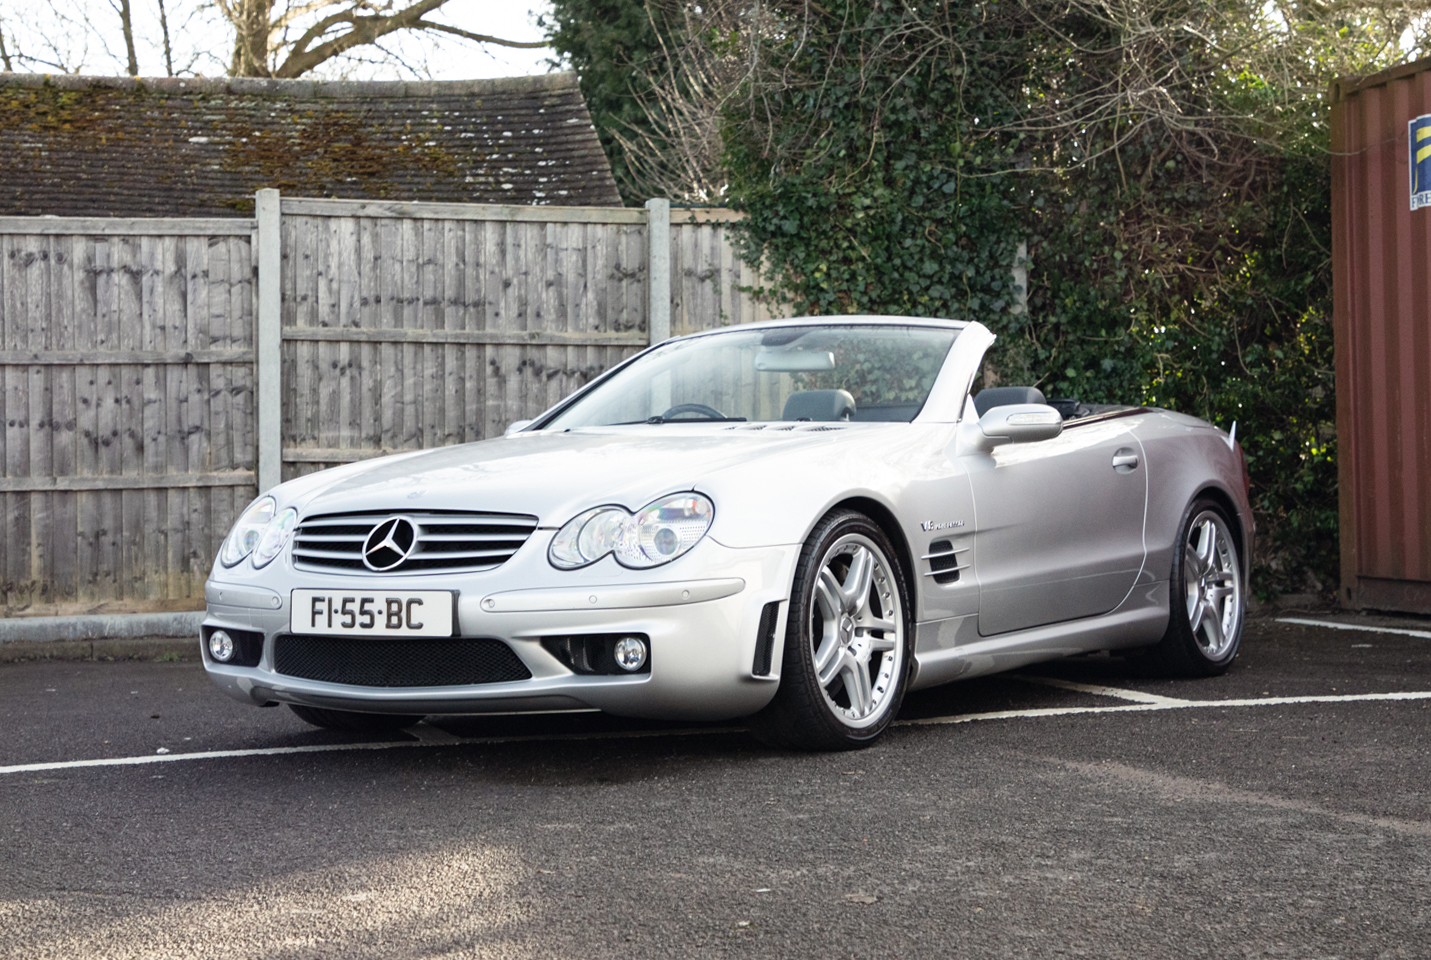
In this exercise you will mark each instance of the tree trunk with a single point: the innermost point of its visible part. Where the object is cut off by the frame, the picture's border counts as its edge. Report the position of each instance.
(251, 27)
(127, 22)
(168, 48)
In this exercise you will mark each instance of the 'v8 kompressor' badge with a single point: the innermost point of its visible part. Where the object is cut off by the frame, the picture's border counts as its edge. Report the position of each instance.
(931, 525)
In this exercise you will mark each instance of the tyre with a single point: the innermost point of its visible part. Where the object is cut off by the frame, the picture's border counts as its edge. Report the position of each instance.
(1208, 596)
(353, 722)
(847, 641)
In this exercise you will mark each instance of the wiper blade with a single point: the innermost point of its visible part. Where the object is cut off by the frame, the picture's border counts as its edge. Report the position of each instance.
(660, 419)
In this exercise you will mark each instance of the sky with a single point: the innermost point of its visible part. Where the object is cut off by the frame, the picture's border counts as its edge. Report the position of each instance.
(84, 36)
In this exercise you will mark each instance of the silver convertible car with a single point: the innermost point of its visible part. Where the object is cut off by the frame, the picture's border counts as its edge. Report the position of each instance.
(793, 522)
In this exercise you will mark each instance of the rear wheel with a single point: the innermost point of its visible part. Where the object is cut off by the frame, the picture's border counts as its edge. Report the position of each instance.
(846, 662)
(353, 722)
(1205, 622)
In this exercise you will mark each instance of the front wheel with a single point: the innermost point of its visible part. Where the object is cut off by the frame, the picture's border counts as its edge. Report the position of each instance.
(1205, 620)
(846, 662)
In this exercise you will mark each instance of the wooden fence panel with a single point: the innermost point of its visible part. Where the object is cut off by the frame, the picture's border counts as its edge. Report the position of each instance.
(710, 286)
(128, 427)
(127, 367)
(404, 330)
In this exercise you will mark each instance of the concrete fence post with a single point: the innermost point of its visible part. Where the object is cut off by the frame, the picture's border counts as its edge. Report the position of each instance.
(658, 269)
(268, 354)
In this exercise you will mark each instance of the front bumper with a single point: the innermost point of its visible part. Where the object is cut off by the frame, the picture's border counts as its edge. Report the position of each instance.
(702, 615)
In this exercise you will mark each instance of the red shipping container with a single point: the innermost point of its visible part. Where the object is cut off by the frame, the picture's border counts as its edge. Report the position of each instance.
(1381, 260)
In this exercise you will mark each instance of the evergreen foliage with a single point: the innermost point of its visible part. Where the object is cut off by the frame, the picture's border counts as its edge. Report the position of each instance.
(1178, 233)
(1164, 162)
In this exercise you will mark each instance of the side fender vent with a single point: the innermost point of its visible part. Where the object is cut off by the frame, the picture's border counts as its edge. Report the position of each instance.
(944, 562)
(765, 639)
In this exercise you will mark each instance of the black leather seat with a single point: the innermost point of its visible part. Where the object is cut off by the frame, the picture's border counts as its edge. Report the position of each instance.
(819, 405)
(986, 400)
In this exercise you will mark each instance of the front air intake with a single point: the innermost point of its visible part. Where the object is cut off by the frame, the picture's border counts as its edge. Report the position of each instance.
(765, 639)
(398, 661)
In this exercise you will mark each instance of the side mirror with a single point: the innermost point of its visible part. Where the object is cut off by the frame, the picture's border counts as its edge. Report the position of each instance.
(516, 427)
(1019, 423)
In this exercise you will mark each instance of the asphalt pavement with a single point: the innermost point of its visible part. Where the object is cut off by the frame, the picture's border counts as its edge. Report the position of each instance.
(1076, 809)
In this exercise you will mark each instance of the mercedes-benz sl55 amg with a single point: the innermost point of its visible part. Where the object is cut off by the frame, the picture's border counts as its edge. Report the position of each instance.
(794, 522)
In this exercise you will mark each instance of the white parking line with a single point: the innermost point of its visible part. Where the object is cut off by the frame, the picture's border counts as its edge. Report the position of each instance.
(1117, 693)
(1332, 624)
(340, 747)
(1168, 704)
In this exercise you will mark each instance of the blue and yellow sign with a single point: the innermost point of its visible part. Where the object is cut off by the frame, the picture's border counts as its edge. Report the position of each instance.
(1420, 138)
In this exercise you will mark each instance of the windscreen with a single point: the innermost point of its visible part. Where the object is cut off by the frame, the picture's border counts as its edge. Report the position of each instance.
(816, 373)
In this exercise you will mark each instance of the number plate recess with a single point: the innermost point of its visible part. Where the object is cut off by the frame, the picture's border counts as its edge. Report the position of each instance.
(373, 613)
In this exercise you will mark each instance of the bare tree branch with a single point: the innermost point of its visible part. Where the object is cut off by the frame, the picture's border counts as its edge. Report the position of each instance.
(360, 30)
(284, 38)
(264, 45)
(126, 23)
(479, 37)
(4, 52)
(168, 48)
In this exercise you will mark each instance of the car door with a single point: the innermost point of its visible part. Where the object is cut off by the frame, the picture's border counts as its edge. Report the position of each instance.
(1058, 525)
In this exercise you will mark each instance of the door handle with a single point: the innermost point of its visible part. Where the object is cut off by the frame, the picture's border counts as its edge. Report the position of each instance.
(1125, 461)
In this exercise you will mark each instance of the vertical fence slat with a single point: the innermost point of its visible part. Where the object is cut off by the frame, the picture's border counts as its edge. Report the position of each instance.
(349, 402)
(409, 280)
(474, 365)
(64, 531)
(429, 356)
(197, 422)
(17, 449)
(87, 417)
(453, 273)
(37, 310)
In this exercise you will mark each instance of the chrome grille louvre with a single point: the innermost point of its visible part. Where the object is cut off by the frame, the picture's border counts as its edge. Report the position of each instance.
(446, 540)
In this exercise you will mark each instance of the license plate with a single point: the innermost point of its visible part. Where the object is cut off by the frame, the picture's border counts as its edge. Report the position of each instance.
(387, 613)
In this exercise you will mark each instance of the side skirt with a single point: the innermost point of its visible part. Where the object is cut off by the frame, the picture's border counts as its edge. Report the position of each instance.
(946, 650)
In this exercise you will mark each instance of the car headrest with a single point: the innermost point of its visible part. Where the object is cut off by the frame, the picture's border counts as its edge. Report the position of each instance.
(819, 405)
(986, 400)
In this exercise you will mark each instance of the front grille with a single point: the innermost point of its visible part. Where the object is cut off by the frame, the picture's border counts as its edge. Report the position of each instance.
(445, 540)
(398, 661)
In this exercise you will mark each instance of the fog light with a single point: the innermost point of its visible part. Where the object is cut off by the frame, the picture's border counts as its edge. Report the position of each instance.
(221, 646)
(630, 653)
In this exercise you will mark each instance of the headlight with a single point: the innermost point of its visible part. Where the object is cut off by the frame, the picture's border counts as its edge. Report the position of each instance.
(247, 532)
(275, 537)
(657, 533)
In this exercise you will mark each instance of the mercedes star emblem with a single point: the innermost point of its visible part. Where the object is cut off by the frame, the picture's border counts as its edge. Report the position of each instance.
(389, 544)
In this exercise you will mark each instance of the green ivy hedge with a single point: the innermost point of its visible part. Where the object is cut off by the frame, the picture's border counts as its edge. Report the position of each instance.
(879, 179)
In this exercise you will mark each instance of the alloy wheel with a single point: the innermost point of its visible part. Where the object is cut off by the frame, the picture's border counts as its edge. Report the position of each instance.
(1213, 585)
(857, 630)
